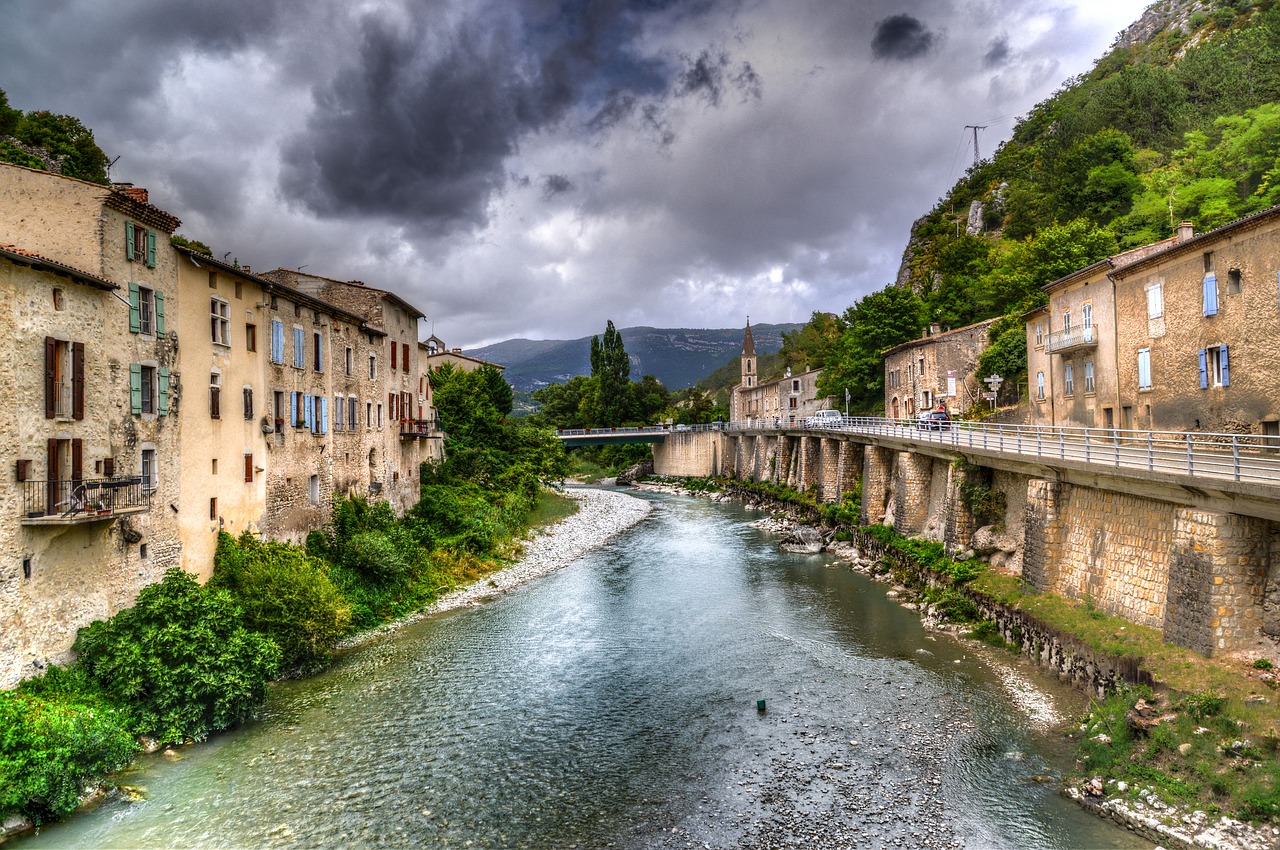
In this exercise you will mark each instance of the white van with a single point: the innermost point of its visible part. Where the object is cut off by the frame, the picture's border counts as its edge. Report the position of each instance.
(823, 419)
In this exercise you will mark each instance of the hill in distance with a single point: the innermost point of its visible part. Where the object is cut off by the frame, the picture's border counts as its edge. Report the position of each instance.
(678, 357)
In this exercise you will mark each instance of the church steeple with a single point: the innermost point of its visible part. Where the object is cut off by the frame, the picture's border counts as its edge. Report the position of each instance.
(748, 357)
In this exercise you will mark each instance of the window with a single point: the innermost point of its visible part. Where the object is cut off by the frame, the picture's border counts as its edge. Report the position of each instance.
(277, 341)
(1069, 379)
(318, 414)
(213, 280)
(148, 469)
(795, 385)
(1086, 314)
(368, 414)
(239, 289)
(215, 395)
(140, 244)
(1208, 262)
(219, 321)
(353, 407)
(404, 356)
(1155, 301)
(339, 412)
(248, 469)
(1088, 376)
(278, 409)
(1039, 334)
(793, 404)
(313, 489)
(63, 379)
(213, 508)
(379, 416)
(1210, 293)
(373, 367)
(247, 393)
(1040, 386)
(1144, 369)
(213, 466)
(1214, 367)
(1233, 282)
(393, 355)
(148, 389)
(1066, 321)
(299, 348)
(250, 337)
(348, 360)
(317, 347)
(146, 310)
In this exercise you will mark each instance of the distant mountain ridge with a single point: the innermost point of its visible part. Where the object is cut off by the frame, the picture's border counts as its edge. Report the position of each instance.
(678, 357)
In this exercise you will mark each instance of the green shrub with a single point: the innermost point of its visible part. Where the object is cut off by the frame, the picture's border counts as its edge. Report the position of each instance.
(285, 594)
(1262, 664)
(51, 746)
(1203, 705)
(181, 659)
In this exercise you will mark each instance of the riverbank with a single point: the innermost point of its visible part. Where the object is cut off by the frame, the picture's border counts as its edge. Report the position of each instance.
(601, 515)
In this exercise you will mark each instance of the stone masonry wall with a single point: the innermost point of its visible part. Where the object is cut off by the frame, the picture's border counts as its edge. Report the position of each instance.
(914, 476)
(691, 454)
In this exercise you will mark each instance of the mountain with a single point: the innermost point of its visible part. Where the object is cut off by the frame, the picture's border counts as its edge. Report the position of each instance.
(678, 357)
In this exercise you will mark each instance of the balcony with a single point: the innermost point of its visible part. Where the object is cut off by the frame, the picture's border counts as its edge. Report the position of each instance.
(88, 500)
(1069, 341)
(420, 429)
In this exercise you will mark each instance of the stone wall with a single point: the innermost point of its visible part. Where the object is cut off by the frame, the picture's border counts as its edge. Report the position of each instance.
(689, 454)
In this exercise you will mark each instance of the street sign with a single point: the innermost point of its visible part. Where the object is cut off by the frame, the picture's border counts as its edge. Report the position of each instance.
(989, 396)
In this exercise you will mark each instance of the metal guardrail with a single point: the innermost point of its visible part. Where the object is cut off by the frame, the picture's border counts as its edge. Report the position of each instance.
(1234, 457)
(649, 429)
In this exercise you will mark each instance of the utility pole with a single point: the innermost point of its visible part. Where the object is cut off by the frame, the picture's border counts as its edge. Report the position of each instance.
(975, 128)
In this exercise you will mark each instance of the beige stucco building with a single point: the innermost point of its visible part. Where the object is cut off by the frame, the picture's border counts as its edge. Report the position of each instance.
(936, 370)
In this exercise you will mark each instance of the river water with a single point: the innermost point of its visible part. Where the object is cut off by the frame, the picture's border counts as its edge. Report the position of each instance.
(614, 704)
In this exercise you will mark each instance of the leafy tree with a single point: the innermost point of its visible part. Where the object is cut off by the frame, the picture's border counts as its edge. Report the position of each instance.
(808, 347)
(879, 321)
(560, 404)
(610, 402)
(181, 658)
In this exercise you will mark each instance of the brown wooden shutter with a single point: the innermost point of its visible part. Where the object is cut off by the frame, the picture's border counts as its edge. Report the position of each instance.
(393, 356)
(404, 350)
(50, 377)
(108, 466)
(51, 476)
(77, 380)
(248, 469)
(77, 462)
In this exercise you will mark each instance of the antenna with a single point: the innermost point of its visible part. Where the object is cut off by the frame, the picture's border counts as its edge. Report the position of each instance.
(975, 128)
(109, 164)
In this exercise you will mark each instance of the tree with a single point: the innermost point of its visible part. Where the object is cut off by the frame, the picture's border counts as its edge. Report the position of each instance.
(879, 321)
(611, 401)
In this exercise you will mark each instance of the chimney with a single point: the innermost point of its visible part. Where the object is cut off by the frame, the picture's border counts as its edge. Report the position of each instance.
(1186, 230)
(935, 329)
(137, 193)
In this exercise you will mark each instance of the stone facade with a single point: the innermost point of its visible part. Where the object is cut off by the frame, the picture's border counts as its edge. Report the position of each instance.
(788, 400)
(937, 369)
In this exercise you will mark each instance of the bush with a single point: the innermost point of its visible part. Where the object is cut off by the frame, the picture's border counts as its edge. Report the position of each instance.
(1205, 704)
(51, 747)
(285, 594)
(181, 658)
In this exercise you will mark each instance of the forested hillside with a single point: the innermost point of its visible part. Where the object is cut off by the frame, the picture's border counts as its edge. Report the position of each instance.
(1180, 120)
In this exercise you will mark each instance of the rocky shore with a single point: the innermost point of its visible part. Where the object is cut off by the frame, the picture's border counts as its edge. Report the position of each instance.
(601, 514)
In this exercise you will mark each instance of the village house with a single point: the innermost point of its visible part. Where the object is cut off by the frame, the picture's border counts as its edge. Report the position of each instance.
(939, 369)
(1196, 345)
(92, 432)
(788, 400)
(437, 354)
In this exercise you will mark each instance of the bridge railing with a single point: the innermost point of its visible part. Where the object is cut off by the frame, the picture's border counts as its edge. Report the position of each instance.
(648, 429)
(1237, 457)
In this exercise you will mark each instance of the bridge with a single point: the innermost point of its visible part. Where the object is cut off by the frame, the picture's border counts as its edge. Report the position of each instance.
(626, 436)
(1179, 531)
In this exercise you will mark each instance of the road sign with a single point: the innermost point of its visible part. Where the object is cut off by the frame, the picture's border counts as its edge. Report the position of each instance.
(989, 396)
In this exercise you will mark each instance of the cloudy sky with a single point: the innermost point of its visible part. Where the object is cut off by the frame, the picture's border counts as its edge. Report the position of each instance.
(535, 167)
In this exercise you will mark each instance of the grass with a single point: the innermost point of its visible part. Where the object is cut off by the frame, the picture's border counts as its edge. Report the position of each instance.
(551, 508)
(586, 470)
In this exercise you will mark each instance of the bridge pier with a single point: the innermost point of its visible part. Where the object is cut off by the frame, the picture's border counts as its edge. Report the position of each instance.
(877, 468)
(808, 464)
(911, 492)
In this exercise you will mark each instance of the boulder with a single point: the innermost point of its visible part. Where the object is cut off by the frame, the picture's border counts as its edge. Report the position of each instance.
(15, 825)
(804, 539)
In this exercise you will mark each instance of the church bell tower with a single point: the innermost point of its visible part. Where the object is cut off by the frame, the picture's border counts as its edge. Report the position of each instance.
(748, 358)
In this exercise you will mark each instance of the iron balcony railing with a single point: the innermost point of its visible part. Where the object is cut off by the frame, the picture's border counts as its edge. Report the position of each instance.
(1073, 339)
(1233, 457)
(419, 428)
(87, 500)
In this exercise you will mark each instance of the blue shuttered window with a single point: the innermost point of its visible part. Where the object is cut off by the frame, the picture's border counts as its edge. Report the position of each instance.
(299, 350)
(1226, 371)
(1211, 295)
(324, 414)
(1204, 370)
(277, 341)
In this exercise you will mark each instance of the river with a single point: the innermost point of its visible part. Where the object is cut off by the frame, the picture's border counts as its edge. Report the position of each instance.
(614, 704)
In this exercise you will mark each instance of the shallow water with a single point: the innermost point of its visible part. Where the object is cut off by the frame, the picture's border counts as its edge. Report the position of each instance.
(614, 703)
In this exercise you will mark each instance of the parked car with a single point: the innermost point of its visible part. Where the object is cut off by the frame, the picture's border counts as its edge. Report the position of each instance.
(823, 419)
(934, 420)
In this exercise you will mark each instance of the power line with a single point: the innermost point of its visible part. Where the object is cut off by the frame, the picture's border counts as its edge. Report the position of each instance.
(975, 128)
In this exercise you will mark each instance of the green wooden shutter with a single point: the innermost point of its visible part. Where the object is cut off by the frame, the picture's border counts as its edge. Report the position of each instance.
(157, 298)
(151, 249)
(128, 241)
(164, 390)
(135, 388)
(135, 309)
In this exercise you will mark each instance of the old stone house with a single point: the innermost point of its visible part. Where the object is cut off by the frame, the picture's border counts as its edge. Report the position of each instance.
(1196, 344)
(437, 354)
(939, 369)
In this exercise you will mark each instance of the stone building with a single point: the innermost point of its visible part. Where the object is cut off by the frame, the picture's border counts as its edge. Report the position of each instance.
(784, 401)
(389, 450)
(1196, 347)
(938, 369)
(1071, 345)
(91, 431)
(437, 354)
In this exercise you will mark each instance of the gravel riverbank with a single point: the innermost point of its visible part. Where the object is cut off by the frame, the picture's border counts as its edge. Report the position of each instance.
(601, 514)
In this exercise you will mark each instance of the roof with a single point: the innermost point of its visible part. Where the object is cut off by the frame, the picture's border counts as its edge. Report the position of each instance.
(748, 342)
(1198, 243)
(200, 259)
(460, 356)
(23, 257)
(390, 296)
(932, 338)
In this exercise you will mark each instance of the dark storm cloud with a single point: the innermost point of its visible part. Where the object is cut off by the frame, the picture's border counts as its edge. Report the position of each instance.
(710, 76)
(421, 124)
(901, 37)
(998, 53)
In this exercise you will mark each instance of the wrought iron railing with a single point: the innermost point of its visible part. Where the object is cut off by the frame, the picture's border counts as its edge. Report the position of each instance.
(83, 500)
(419, 428)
